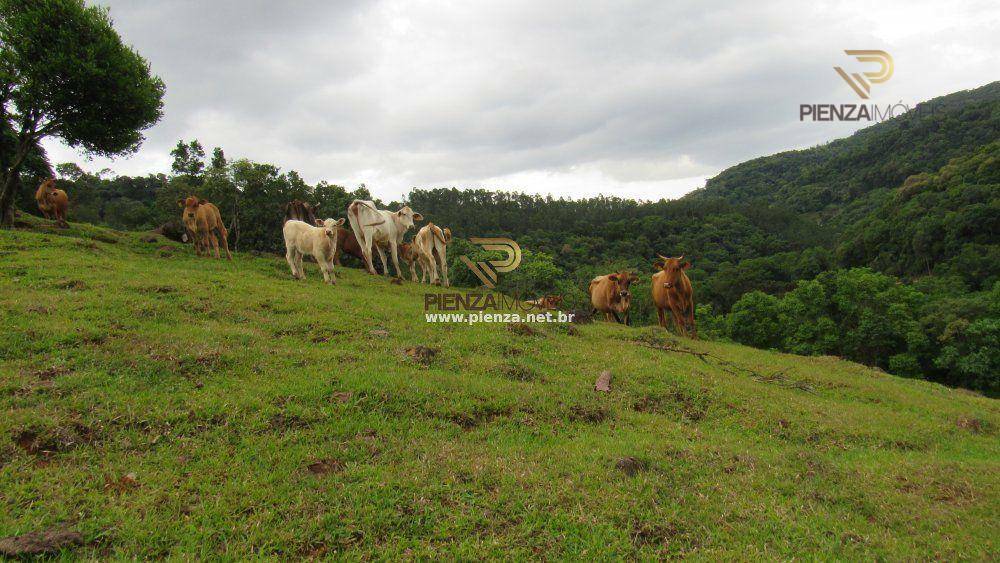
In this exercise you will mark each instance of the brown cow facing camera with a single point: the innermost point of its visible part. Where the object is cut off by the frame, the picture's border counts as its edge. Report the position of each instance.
(672, 290)
(612, 295)
(52, 202)
(297, 210)
(203, 220)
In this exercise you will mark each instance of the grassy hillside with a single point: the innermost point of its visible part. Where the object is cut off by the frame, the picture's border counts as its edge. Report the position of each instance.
(166, 405)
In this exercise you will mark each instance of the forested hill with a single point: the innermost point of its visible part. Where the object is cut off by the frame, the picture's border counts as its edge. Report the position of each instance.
(840, 182)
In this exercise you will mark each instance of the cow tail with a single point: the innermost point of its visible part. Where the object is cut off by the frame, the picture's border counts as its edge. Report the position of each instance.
(355, 220)
(437, 235)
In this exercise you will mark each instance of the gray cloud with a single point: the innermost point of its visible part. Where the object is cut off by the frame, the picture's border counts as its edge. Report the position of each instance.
(639, 99)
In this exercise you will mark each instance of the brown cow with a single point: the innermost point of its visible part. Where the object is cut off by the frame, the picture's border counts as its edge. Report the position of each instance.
(202, 219)
(52, 202)
(408, 253)
(431, 248)
(546, 302)
(347, 242)
(611, 295)
(300, 211)
(672, 290)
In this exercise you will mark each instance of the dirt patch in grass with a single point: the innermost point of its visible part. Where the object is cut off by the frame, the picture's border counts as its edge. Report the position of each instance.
(51, 372)
(478, 416)
(590, 414)
(631, 466)
(122, 484)
(283, 422)
(40, 309)
(70, 285)
(39, 543)
(524, 329)
(974, 425)
(691, 407)
(422, 355)
(153, 289)
(46, 443)
(519, 372)
(325, 466)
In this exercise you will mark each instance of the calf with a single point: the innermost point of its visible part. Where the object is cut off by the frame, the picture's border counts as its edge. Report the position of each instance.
(611, 295)
(431, 244)
(52, 201)
(202, 219)
(320, 242)
(379, 227)
(672, 290)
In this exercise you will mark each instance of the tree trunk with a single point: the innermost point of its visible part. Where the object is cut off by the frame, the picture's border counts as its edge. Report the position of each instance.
(7, 199)
(10, 184)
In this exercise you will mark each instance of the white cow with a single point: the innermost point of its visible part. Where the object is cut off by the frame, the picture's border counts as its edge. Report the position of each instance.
(320, 242)
(379, 228)
(431, 242)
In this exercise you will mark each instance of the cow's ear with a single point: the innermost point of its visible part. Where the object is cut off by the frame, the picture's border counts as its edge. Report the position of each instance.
(633, 277)
(339, 222)
(658, 264)
(202, 201)
(686, 266)
(418, 217)
(319, 223)
(613, 277)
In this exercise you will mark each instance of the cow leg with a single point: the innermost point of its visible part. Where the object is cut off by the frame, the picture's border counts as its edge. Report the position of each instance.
(215, 243)
(659, 315)
(327, 269)
(381, 257)
(678, 316)
(617, 318)
(693, 327)
(394, 250)
(298, 265)
(225, 240)
(428, 261)
(444, 265)
(413, 270)
(628, 318)
(290, 257)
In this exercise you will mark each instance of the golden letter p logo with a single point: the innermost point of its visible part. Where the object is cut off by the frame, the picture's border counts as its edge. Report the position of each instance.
(487, 271)
(858, 82)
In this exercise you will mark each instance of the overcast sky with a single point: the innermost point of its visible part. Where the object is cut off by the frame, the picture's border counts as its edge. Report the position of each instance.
(635, 99)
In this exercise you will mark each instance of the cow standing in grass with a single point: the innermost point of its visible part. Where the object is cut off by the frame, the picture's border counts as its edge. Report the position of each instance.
(431, 245)
(672, 290)
(318, 241)
(378, 228)
(611, 295)
(52, 202)
(203, 220)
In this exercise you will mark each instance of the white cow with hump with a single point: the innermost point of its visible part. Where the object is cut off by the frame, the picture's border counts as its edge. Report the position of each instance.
(380, 228)
(320, 242)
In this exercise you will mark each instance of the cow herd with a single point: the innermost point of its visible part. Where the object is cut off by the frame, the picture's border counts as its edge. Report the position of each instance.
(381, 231)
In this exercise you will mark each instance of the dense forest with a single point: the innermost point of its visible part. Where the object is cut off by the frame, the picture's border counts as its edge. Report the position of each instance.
(881, 247)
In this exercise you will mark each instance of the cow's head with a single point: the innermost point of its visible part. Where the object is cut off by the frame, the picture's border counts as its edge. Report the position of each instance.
(447, 235)
(329, 226)
(553, 301)
(190, 206)
(673, 267)
(405, 217)
(623, 282)
(49, 184)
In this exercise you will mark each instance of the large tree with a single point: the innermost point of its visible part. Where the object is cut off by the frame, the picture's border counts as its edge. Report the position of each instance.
(65, 72)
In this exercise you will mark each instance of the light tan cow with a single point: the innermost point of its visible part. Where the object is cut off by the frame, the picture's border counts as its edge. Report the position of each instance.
(375, 228)
(52, 201)
(202, 219)
(319, 241)
(431, 244)
(612, 296)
